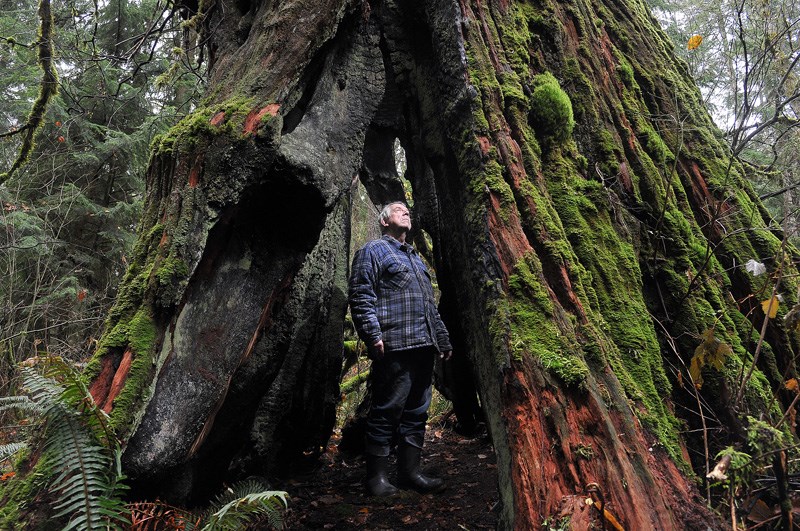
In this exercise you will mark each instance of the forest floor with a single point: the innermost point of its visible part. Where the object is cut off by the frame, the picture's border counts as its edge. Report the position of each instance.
(332, 495)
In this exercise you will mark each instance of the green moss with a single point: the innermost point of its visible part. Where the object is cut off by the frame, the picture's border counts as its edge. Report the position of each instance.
(171, 276)
(582, 90)
(140, 335)
(537, 330)
(625, 73)
(21, 490)
(551, 110)
(185, 135)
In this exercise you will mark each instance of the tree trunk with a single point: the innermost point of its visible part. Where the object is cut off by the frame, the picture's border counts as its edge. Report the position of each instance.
(571, 260)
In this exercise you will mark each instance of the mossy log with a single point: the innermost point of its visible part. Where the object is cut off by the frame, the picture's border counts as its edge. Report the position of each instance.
(586, 229)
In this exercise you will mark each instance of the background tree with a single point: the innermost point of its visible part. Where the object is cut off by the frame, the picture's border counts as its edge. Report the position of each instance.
(748, 68)
(69, 215)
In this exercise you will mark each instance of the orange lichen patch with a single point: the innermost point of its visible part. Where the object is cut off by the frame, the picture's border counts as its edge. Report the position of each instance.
(569, 292)
(572, 33)
(102, 383)
(253, 121)
(119, 380)
(608, 59)
(574, 509)
(194, 173)
(488, 41)
(217, 119)
(485, 144)
(701, 195)
(512, 157)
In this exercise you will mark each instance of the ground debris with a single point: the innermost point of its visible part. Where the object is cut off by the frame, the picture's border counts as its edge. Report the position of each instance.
(331, 497)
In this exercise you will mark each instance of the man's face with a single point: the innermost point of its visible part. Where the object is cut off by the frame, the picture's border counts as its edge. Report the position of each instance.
(399, 218)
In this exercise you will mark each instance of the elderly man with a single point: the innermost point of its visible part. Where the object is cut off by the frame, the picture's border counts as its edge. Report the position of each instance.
(394, 311)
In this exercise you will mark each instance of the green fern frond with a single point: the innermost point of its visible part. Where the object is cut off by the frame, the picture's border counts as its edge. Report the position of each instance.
(265, 507)
(11, 449)
(76, 394)
(238, 490)
(19, 403)
(87, 478)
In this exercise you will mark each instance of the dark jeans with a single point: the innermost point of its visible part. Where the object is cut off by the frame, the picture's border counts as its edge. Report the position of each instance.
(401, 395)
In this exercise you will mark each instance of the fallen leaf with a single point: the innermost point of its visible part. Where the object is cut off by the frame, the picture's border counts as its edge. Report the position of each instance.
(694, 42)
(770, 307)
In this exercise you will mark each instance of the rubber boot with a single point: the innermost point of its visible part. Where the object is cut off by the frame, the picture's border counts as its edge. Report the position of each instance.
(377, 482)
(409, 474)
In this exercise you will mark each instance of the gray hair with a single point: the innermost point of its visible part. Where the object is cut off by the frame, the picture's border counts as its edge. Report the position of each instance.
(387, 211)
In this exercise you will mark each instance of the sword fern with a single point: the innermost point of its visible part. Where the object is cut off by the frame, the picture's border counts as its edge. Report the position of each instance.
(79, 455)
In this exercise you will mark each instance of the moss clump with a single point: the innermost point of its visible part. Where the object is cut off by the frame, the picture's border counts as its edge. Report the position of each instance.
(16, 492)
(625, 73)
(551, 110)
(184, 136)
(172, 273)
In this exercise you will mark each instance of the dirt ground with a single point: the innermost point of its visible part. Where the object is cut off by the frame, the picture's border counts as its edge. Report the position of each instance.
(332, 496)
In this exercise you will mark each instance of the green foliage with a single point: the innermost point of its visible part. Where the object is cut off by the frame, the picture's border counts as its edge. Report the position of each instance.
(68, 217)
(248, 504)
(244, 505)
(79, 462)
(710, 353)
(551, 109)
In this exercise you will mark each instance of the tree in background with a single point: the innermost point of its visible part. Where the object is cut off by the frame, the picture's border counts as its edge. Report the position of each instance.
(69, 214)
(745, 57)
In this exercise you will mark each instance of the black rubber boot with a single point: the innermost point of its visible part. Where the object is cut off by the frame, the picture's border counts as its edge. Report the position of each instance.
(409, 474)
(377, 482)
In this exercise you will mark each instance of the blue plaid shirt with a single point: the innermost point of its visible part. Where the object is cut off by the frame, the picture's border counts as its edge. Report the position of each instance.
(391, 298)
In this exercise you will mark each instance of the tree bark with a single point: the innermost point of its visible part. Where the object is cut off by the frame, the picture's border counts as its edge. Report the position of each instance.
(569, 259)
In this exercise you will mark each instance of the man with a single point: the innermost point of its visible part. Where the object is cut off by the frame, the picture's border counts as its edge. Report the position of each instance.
(394, 311)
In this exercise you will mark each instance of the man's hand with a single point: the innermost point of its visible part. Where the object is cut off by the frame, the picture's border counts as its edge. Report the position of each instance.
(376, 350)
(446, 355)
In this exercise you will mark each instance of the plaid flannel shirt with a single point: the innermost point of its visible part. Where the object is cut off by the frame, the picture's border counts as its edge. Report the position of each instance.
(391, 298)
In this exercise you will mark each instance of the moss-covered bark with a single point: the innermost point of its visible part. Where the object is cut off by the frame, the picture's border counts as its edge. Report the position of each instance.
(587, 259)
(587, 228)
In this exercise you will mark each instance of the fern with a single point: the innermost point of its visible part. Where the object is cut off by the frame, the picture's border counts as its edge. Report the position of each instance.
(19, 403)
(244, 504)
(11, 449)
(77, 447)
